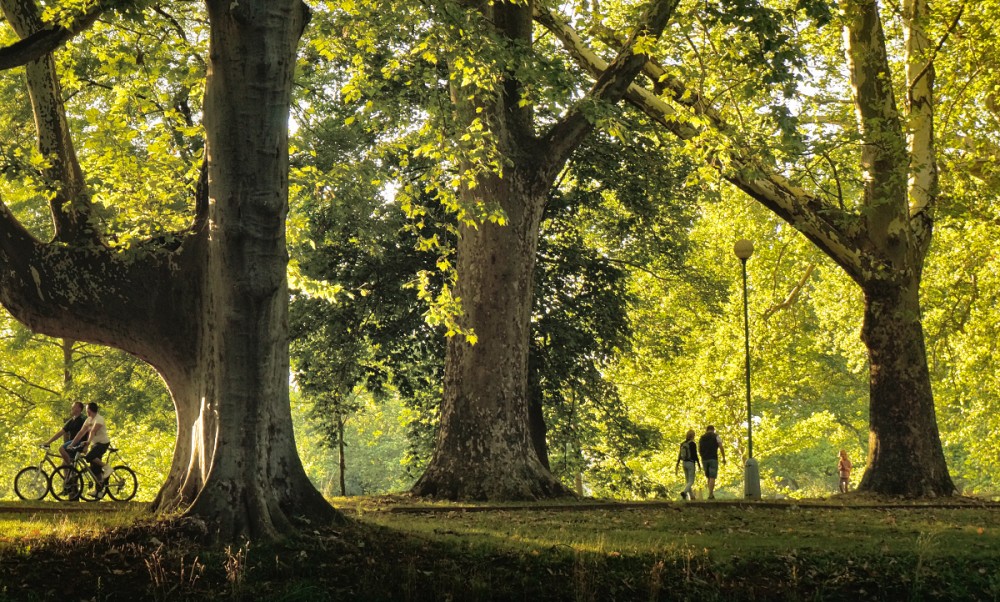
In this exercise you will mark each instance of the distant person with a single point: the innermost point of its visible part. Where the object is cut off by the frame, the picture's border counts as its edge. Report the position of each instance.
(844, 470)
(689, 457)
(96, 431)
(710, 447)
(68, 431)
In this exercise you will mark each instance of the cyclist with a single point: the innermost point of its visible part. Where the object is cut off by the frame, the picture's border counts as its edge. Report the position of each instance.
(96, 431)
(68, 431)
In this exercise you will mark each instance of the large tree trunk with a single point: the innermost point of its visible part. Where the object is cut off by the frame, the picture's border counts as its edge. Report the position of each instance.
(209, 313)
(484, 448)
(904, 450)
(243, 452)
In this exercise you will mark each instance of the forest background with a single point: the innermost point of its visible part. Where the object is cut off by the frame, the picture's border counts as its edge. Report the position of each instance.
(637, 328)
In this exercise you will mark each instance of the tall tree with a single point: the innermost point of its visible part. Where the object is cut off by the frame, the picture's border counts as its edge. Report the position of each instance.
(880, 237)
(207, 306)
(483, 447)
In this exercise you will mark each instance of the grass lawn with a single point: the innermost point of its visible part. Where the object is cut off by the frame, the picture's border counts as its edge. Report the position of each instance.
(398, 549)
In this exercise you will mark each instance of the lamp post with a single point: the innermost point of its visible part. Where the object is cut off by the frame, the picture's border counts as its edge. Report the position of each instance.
(751, 475)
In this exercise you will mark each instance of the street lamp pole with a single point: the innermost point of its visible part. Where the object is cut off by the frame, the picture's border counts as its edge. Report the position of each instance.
(751, 484)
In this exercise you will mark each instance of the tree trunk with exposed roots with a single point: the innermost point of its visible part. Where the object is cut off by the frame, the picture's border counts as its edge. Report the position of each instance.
(484, 448)
(208, 310)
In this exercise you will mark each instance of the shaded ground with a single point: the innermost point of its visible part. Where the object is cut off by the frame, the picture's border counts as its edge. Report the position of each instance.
(392, 551)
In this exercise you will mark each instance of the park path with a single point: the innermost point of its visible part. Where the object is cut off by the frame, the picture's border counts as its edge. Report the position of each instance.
(405, 505)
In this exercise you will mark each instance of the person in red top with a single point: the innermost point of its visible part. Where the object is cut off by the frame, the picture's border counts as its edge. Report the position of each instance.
(844, 470)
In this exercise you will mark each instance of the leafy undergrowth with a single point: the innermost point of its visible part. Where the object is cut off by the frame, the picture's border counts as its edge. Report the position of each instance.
(393, 549)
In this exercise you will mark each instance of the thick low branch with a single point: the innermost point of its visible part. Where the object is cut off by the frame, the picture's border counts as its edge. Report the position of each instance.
(830, 228)
(92, 293)
(40, 43)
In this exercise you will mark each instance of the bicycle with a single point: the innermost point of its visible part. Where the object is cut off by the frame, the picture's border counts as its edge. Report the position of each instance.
(32, 483)
(78, 481)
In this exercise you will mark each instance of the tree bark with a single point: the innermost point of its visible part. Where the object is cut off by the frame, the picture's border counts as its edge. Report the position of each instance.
(243, 452)
(904, 449)
(484, 448)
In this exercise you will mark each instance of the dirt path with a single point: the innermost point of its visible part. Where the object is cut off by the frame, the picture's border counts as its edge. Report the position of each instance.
(402, 504)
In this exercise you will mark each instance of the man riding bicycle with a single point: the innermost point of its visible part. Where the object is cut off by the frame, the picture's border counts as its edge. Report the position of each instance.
(69, 431)
(96, 431)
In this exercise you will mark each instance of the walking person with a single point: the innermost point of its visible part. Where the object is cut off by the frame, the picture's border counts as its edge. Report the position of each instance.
(688, 455)
(844, 470)
(710, 447)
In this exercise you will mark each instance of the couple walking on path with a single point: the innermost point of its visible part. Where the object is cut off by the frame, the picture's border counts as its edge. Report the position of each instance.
(705, 455)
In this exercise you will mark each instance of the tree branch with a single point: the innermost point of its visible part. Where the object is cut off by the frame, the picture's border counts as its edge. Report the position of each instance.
(35, 45)
(610, 85)
(828, 227)
(793, 295)
(70, 205)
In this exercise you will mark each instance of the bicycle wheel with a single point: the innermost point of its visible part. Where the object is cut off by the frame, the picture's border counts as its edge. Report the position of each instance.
(31, 484)
(89, 490)
(122, 484)
(66, 484)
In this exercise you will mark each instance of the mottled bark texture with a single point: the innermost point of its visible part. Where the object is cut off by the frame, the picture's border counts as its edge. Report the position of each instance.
(484, 448)
(903, 427)
(208, 311)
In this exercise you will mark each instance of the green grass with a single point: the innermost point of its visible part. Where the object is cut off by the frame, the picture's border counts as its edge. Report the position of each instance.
(395, 549)
(721, 532)
(34, 522)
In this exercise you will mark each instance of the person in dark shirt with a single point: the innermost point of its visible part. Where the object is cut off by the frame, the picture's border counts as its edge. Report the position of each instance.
(710, 447)
(68, 431)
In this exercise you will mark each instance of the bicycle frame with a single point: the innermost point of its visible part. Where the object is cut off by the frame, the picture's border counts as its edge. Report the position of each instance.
(80, 481)
(47, 459)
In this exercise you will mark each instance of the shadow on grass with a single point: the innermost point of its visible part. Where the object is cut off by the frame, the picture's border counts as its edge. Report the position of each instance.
(660, 553)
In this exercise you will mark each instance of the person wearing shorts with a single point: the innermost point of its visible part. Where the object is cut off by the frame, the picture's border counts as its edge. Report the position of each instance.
(710, 448)
(96, 431)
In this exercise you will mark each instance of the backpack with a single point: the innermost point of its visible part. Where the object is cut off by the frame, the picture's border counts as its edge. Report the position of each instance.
(685, 452)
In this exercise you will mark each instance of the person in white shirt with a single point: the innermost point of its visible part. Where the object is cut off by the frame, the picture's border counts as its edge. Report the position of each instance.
(96, 431)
